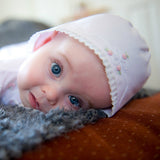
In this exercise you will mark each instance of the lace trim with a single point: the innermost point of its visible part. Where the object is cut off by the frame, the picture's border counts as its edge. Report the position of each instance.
(108, 69)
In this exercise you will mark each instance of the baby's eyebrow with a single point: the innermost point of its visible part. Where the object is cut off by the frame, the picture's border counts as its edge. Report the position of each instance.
(67, 60)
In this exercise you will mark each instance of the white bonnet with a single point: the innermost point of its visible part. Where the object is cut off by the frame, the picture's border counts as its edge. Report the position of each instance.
(124, 54)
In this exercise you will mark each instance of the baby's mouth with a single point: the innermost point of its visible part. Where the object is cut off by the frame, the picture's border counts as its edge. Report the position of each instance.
(33, 102)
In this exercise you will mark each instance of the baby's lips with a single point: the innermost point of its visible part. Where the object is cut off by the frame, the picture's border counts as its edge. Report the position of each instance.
(33, 101)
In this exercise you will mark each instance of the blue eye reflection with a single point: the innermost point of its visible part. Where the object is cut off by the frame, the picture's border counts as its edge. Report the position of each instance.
(56, 69)
(74, 101)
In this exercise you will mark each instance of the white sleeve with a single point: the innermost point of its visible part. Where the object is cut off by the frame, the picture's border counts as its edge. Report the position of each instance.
(11, 57)
(14, 50)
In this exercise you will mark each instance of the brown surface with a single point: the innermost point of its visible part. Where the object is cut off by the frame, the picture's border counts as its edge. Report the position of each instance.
(132, 134)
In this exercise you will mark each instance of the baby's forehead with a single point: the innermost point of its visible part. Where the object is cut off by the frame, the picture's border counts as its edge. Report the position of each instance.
(77, 53)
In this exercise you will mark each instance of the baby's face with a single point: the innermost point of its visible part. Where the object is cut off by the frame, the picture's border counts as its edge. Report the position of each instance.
(65, 74)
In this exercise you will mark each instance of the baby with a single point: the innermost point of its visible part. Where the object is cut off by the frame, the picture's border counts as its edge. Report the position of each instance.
(95, 62)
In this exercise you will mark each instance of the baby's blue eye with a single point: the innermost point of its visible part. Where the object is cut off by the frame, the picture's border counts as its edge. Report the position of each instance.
(74, 101)
(56, 69)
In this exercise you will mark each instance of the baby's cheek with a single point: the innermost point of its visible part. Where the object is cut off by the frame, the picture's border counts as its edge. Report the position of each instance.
(24, 79)
(30, 76)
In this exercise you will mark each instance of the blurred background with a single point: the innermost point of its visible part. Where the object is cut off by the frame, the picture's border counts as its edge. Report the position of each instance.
(144, 15)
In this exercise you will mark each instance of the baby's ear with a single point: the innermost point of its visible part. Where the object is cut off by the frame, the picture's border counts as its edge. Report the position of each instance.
(44, 38)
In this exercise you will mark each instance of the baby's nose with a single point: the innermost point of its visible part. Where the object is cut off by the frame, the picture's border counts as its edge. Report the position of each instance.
(51, 93)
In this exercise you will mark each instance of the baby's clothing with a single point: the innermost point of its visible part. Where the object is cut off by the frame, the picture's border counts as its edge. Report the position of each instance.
(124, 55)
(11, 57)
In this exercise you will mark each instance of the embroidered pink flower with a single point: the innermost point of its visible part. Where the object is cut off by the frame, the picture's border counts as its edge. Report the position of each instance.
(125, 56)
(119, 69)
(109, 52)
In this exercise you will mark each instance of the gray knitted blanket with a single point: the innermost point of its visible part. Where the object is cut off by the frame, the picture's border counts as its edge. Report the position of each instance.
(21, 129)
